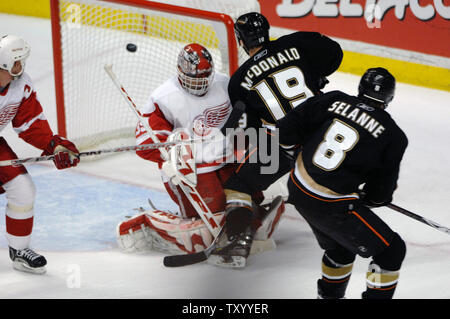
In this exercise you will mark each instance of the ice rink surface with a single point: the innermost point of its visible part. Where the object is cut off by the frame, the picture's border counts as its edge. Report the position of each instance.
(77, 211)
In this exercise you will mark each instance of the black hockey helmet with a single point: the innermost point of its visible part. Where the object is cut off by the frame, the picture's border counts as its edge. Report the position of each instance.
(377, 85)
(253, 29)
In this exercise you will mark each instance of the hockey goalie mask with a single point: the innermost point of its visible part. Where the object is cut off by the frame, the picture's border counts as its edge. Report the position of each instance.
(13, 49)
(195, 69)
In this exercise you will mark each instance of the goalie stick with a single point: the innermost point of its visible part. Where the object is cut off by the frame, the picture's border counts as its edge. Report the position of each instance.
(190, 259)
(190, 191)
(257, 245)
(29, 160)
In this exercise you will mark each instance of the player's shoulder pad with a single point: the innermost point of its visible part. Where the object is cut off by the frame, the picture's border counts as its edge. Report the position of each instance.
(166, 88)
(221, 77)
(403, 137)
(234, 80)
(400, 135)
(24, 85)
(301, 35)
(26, 78)
(335, 94)
(237, 76)
(324, 100)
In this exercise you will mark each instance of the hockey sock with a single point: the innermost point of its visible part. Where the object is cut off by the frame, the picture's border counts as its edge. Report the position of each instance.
(335, 277)
(20, 193)
(381, 283)
(383, 273)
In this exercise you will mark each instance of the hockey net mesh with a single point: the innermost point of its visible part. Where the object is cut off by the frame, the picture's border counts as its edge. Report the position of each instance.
(95, 33)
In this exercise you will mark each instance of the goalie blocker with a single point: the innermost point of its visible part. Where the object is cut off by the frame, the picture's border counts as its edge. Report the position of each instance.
(170, 234)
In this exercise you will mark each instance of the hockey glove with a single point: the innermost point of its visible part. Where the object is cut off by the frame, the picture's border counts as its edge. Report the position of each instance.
(367, 201)
(170, 171)
(65, 152)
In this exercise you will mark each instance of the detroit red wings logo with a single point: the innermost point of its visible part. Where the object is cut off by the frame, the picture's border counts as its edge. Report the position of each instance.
(211, 118)
(7, 113)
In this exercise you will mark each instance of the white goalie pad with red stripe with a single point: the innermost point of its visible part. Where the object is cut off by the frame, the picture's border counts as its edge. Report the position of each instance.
(165, 232)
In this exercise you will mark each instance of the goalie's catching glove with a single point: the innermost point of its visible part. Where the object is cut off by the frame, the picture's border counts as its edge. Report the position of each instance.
(65, 152)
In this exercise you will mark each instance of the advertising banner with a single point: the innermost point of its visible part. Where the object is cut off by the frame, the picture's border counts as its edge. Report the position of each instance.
(416, 25)
(410, 37)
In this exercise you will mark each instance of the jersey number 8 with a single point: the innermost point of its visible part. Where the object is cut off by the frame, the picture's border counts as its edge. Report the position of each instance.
(338, 140)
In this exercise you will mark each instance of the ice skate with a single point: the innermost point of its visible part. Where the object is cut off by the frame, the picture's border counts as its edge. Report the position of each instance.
(27, 260)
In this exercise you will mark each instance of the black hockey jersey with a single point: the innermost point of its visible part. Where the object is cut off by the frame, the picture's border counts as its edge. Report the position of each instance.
(346, 143)
(283, 74)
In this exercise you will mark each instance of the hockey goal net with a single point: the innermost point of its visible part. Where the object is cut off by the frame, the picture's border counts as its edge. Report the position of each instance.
(87, 34)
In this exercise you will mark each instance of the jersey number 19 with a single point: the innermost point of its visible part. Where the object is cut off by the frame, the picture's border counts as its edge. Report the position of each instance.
(290, 83)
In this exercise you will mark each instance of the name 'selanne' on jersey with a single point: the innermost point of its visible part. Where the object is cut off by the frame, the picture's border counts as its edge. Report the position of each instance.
(358, 116)
(268, 63)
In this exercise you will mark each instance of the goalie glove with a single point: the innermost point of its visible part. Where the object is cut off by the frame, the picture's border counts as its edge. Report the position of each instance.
(181, 166)
(171, 172)
(65, 152)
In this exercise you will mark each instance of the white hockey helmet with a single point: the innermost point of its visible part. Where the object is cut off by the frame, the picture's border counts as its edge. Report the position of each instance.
(13, 49)
(195, 69)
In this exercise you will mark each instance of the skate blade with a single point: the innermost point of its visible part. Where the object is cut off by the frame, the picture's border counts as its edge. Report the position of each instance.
(23, 267)
(229, 262)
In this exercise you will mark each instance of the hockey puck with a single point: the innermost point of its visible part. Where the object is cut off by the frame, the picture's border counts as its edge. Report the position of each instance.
(131, 47)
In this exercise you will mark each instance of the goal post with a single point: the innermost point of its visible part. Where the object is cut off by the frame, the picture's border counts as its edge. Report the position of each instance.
(87, 34)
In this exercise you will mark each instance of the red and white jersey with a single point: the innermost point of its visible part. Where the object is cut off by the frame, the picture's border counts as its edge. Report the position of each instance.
(19, 105)
(170, 107)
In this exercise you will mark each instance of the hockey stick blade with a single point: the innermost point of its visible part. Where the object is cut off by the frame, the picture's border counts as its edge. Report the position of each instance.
(185, 260)
(190, 259)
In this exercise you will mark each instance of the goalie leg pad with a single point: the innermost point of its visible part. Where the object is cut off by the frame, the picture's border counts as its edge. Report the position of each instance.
(164, 232)
(133, 234)
(209, 186)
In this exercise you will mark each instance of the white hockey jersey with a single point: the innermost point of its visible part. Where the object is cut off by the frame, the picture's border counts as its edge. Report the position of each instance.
(170, 107)
(19, 105)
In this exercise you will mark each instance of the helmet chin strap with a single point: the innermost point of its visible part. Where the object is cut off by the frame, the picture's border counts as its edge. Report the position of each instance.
(17, 75)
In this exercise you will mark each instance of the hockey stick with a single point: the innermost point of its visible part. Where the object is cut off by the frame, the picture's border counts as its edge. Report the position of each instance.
(257, 245)
(28, 160)
(419, 218)
(190, 259)
(190, 191)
